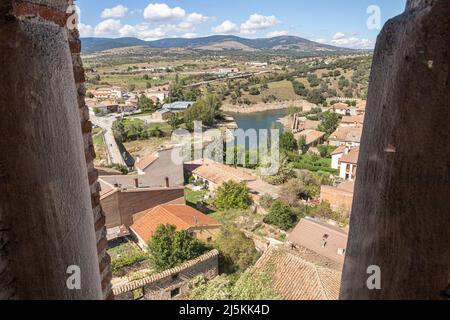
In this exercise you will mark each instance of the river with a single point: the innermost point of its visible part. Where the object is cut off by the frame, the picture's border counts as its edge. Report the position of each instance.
(258, 121)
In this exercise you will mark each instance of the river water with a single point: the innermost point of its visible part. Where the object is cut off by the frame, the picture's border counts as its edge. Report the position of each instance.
(258, 121)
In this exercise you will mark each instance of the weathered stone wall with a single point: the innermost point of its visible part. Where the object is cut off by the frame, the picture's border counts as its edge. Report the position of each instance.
(50, 214)
(160, 286)
(400, 219)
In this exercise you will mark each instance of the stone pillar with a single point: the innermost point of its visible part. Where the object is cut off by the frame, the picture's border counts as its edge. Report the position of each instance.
(48, 186)
(401, 219)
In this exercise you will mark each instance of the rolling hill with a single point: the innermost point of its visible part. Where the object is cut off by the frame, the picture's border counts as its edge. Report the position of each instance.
(215, 43)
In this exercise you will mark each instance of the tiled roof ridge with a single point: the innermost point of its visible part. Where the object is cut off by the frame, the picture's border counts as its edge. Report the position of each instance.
(133, 285)
(319, 280)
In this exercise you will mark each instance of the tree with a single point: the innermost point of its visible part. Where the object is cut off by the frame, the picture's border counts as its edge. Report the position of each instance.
(205, 110)
(292, 192)
(169, 248)
(288, 142)
(232, 195)
(146, 104)
(174, 121)
(237, 252)
(329, 122)
(281, 215)
(299, 88)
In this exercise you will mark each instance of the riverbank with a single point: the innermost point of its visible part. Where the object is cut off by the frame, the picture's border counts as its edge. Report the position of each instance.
(262, 107)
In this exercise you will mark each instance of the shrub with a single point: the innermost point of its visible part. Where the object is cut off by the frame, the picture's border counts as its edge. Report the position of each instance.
(232, 195)
(281, 215)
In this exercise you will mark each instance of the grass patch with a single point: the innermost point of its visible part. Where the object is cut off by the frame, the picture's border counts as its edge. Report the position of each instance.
(193, 197)
(314, 163)
(125, 255)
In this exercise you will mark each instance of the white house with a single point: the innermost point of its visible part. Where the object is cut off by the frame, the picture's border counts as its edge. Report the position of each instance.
(348, 164)
(337, 155)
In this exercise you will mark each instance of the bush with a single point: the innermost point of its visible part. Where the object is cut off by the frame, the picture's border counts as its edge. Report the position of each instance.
(281, 215)
(232, 195)
(237, 252)
(169, 248)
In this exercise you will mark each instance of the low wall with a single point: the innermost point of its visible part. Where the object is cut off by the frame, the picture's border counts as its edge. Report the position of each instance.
(171, 284)
(338, 198)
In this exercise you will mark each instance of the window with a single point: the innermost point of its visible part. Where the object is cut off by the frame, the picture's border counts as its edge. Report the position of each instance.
(209, 239)
(175, 292)
(341, 251)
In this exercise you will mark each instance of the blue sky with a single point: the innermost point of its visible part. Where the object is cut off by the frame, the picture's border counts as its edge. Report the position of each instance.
(336, 22)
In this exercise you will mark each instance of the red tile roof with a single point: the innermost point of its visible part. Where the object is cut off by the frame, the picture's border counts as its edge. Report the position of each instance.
(347, 134)
(340, 106)
(351, 157)
(145, 162)
(321, 238)
(295, 276)
(181, 216)
(339, 150)
(219, 173)
(353, 119)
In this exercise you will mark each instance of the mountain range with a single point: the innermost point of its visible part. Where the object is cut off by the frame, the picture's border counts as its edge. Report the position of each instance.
(215, 43)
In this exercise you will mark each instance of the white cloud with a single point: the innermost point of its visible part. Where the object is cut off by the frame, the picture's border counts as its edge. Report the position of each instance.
(354, 42)
(161, 21)
(161, 12)
(278, 33)
(115, 12)
(85, 30)
(320, 40)
(338, 35)
(108, 27)
(258, 22)
(196, 18)
(190, 35)
(226, 27)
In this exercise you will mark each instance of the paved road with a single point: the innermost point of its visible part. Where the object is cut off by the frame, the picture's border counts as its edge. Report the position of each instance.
(115, 157)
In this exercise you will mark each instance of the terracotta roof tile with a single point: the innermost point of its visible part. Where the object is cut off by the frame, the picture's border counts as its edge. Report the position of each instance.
(295, 277)
(347, 134)
(339, 150)
(146, 161)
(351, 157)
(181, 216)
(313, 235)
(219, 173)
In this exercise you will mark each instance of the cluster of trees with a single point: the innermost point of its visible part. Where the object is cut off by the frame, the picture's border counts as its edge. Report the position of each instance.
(169, 248)
(131, 130)
(146, 104)
(206, 110)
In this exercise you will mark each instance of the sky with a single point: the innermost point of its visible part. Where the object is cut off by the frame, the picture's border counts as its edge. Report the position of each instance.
(348, 23)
